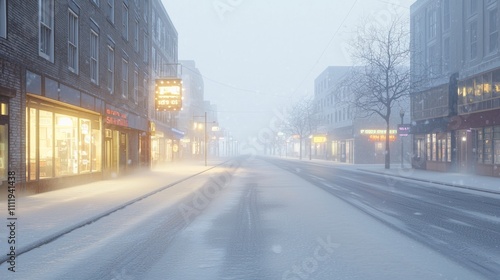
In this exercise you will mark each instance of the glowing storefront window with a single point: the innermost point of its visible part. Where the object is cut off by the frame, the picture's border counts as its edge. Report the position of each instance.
(95, 140)
(33, 132)
(66, 145)
(60, 144)
(46, 144)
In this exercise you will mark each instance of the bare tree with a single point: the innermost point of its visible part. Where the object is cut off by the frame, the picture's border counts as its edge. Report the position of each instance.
(382, 78)
(301, 120)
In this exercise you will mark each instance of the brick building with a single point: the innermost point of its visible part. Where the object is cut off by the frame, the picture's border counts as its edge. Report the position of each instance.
(456, 111)
(73, 90)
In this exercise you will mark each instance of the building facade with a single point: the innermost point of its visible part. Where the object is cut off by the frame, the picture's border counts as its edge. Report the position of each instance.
(165, 140)
(73, 90)
(456, 93)
(349, 139)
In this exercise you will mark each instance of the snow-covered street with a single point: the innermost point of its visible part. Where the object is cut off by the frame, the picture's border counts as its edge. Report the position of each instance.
(259, 222)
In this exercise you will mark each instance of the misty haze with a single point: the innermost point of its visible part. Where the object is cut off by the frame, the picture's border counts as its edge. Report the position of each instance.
(233, 139)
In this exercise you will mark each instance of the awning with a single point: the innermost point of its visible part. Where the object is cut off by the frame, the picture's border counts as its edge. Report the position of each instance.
(177, 133)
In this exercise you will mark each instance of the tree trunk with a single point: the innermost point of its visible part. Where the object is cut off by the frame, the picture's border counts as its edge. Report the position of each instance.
(300, 148)
(387, 149)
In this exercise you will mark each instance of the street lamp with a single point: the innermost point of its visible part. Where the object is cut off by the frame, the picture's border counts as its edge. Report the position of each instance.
(402, 115)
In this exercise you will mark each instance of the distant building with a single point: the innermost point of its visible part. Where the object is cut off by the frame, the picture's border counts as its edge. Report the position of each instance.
(348, 139)
(191, 118)
(455, 100)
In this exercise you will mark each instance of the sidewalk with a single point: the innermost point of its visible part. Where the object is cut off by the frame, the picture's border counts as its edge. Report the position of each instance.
(461, 180)
(47, 214)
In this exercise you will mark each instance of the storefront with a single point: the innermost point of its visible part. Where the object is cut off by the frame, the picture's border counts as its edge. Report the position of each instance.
(125, 141)
(165, 143)
(61, 141)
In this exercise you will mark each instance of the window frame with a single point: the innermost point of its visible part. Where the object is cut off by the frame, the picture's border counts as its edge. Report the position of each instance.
(3, 19)
(73, 64)
(94, 57)
(46, 49)
(125, 21)
(124, 78)
(111, 69)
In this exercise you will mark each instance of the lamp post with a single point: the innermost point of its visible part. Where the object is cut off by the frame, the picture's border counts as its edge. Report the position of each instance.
(402, 115)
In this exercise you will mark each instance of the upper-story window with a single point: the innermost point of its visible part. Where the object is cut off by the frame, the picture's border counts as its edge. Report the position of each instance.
(446, 54)
(135, 95)
(94, 57)
(72, 41)
(432, 24)
(111, 69)
(446, 15)
(125, 21)
(473, 6)
(125, 79)
(3, 18)
(146, 10)
(95, 2)
(46, 29)
(110, 11)
(146, 49)
(492, 30)
(473, 39)
(136, 35)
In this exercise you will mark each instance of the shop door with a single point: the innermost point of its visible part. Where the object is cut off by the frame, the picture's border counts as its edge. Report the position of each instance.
(466, 146)
(111, 145)
(123, 151)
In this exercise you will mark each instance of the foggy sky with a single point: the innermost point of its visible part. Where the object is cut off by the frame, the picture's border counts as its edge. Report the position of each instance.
(257, 56)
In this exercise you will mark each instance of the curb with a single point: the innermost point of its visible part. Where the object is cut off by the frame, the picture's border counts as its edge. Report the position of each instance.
(432, 182)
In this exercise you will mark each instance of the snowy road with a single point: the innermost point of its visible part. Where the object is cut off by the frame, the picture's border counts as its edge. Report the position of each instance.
(261, 222)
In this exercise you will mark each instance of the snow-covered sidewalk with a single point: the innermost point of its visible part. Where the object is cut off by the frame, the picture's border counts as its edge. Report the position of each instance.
(461, 180)
(47, 214)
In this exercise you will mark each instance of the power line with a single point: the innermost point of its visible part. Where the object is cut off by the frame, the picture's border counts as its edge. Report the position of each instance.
(327, 46)
(301, 82)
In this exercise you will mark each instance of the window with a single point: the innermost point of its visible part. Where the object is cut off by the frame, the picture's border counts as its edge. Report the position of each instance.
(46, 31)
(60, 144)
(495, 83)
(125, 79)
(136, 86)
(110, 12)
(125, 22)
(473, 6)
(143, 100)
(94, 57)
(146, 10)
(96, 2)
(493, 31)
(146, 48)
(111, 69)
(446, 55)
(488, 145)
(72, 41)
(136, 36)
(432, 24)
(446, 14)
(3, 18)
(473, 39)
(496, 144)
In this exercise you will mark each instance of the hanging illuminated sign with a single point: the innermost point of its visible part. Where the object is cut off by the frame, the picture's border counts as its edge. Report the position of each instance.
(168, 94)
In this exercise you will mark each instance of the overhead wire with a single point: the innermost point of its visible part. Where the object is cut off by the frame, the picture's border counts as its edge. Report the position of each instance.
(301, 82)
